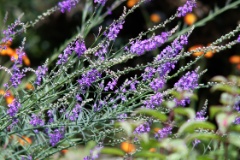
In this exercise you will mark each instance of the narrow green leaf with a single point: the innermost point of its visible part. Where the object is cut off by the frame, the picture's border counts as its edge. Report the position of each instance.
(185, 111)
(153, 113)
(147, 154)
(190, 127)
(112, 151)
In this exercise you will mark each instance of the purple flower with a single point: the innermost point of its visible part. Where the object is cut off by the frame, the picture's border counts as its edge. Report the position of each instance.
(157, 84)
(163, 133)
(56, 136)
(133, 84)
(16, 76)
(154, 101)
(75, 112)
(238, 39)
(89, 77)
(142, 128)
(94, 153)
(101, 2)
(36, 121)
(182, 102)
(67, 5)
(77, 46)
(196, 142)
(188, 82)
(173, 50)
(98, 107)
(237, 120)
(50, 116)
(200, 115)
(80, 48)
(122, 117)
(148, 73)
(40, 73)
(186, 8)
(13, 108)
(78, 98)
(102, 51)
(111, 85)
(139, 47)
(11, 31)
(114, 30)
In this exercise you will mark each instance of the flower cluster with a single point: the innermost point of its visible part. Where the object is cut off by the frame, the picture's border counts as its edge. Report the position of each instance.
(111, 85)
(94, 153)
(11, 31)
(40, 73)
(114, 30)
(163, 133)
(13, 108)
(89, 77)
(143, 128)
(56, 136)
(154, 101)
(75, 112)
(77, 46)
(17, 74)
(187, 82)
(67, 5)
(157, 84)
(139, 47)
(186, 8)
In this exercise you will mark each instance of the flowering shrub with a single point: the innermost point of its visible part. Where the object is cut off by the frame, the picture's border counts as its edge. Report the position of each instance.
(78, 96)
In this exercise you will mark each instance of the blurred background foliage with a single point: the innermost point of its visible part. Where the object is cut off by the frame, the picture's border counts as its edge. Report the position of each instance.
(49, 34)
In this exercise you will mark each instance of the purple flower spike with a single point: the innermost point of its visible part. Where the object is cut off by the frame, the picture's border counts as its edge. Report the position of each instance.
(11, 31)
(13, 108)
(88, 78)
(67, 5)
(139, 47)
(101, 2)
(40, 73)
(56, 136)
(36, 121)
(80, 48)
(114, 30)
(155, 100)
(187, 82)
(238, 39)
(163, 133)
(157, 84)
(186, 8)
(143, 128)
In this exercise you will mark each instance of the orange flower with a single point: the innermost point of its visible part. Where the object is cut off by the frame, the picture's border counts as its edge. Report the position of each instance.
(128, 147)
(238, 66)
(156, 129)
(24, 140)
(9, 99)
(26, 60)
(7, 52)
(208, 54)
(131, 3)
(29, 86)
(64, 151)
(155, 18)
(234, 59)
(195, 47)
(190, 18)
(152, 150)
